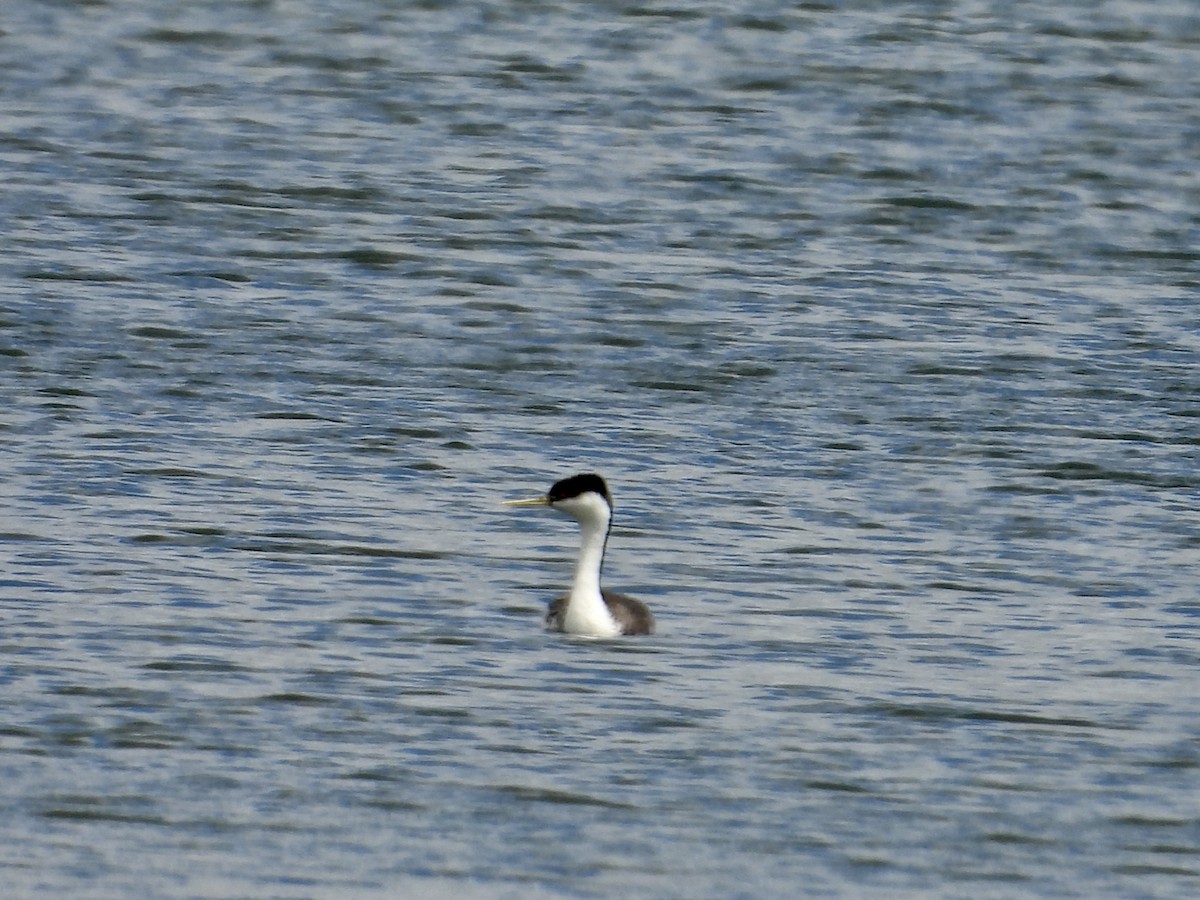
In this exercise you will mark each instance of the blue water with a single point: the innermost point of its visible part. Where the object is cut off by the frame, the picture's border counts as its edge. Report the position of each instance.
(880, 319)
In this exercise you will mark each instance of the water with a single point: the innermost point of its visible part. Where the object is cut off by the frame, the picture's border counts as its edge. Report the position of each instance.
(880, 319)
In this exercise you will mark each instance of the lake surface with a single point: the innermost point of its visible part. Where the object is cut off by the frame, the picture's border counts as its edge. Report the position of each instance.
(882, 321)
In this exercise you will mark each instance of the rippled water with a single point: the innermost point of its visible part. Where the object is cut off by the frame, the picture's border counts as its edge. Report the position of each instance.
(881, 319)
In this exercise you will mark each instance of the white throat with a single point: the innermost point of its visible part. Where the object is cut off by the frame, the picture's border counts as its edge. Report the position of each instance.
(586, 612)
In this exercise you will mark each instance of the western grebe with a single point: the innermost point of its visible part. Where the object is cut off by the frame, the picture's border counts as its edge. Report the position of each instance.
(587, 609)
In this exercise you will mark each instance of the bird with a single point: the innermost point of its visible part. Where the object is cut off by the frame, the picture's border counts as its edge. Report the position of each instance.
(587, 609)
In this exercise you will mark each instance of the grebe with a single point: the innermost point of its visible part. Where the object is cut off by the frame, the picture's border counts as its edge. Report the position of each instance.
(587, 609)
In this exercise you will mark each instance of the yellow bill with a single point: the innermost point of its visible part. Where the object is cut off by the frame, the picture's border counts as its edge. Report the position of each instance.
(531, 501)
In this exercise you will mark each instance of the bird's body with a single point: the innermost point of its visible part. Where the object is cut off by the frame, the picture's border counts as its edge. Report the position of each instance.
(587, 609)
(631, 616)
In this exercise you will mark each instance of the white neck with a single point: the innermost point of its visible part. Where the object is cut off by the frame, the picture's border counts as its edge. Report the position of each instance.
(586, 611)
